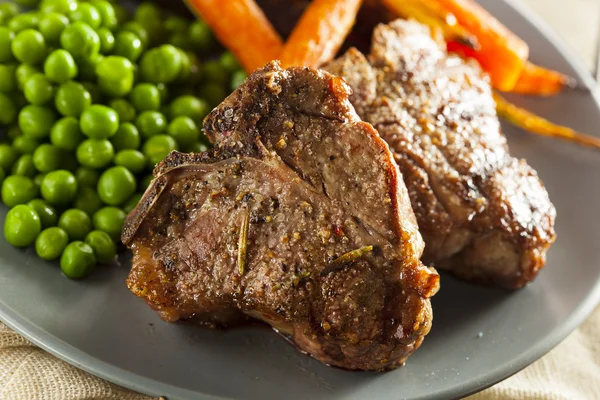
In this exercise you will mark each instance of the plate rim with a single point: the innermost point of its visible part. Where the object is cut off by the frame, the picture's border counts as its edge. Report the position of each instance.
(151, 387)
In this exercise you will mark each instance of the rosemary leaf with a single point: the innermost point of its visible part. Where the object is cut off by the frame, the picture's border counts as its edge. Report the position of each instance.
(346, 258)
(243, 244)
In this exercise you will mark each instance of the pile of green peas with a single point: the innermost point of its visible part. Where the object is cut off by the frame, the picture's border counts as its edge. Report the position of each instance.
(91, 99)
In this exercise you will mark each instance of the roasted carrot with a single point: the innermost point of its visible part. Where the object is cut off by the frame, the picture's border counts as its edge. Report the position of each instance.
(434, 17)
(242, 27)
(503, 54)
(536, 124)
(539, 81)
(461, 49)
(320, 32)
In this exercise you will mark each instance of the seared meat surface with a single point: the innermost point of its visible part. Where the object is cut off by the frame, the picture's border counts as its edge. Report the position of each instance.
(484, 215)
(277, 223)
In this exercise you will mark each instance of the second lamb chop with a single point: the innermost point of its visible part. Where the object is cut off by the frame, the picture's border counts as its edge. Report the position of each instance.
(484, 214)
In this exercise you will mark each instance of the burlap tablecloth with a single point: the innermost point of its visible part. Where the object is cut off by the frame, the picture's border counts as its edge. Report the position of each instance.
(571, 371)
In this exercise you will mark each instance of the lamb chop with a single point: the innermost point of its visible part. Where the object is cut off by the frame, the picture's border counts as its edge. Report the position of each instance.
(484, 215)
(297, 217)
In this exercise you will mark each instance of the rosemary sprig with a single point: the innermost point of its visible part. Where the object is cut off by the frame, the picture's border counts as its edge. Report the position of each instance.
(346, 258)
(243, 244)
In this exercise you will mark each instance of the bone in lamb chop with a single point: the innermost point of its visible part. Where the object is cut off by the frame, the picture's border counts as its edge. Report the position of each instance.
(484, 215)
(298, 217)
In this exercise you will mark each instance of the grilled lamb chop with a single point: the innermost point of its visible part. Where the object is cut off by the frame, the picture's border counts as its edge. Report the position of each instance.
(276, 222)
(484, 215)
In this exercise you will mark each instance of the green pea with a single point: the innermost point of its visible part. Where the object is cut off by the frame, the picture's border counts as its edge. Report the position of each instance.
(189, 106)
(213, 93)
(59, 6)
(133, 160)
(59, 188)
(29, 46)
(47, 158)
(8, 110)
(6, 38)
(197, 147)
(25, 144)
(115, 76)
(139, 30)
(8, 79)
(145, 97)
(116, 185)
(87, 200)
(51, 243)
(132, 203)
(65, 134)
(150, 17)
(181, 41)
(191, 73)
(24, 166)
(127, 137)
(60, 66)
(72, 99)
(47, 214)
(176, 24)
(8, 156)
(128, 45)
(99, 122)
(24, 72)
(38, 90)
(85, 12)
(80, 40)
(24, 21)
(22, 226)
(36, 121)
(107, 13)
(7, 11)
(52, 25)
(17, 190)
(184, 130)
(76, 223)
(186, 67)
(124, 109)
(213, 71)
(37, 180)
(103, 245)
(77, 260)
(87, 177)
(110, 220)
(201, 36)
(161, 64)
(157, 148)
(237, 79)
(94, 153)
(107, 40)
(2, 175)
(145, 182)
(229, 62)
(151, 123)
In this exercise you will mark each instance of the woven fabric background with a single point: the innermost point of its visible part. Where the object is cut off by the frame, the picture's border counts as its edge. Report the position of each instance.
(570, 371)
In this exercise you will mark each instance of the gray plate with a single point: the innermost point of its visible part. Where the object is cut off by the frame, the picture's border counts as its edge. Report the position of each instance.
(479, 337)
